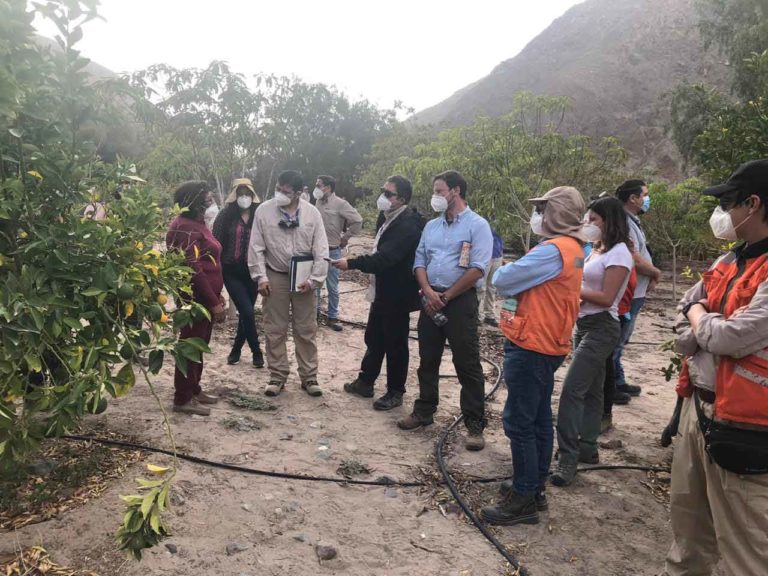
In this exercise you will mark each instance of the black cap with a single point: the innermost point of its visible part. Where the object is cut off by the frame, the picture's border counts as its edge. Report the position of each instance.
(749, 177)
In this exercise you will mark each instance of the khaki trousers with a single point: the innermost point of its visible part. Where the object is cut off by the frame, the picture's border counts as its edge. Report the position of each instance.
(279, 308)
(714, 512)
(486, 296)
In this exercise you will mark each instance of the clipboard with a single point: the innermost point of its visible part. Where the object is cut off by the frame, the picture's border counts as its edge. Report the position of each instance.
(301, 270)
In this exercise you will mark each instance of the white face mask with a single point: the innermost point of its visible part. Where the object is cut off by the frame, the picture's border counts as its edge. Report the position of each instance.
(537, 221)
(591, 232)
(439, 203)
(317, 193)
(383, 203)
(282, 199)
(244, 202)
(722, 225)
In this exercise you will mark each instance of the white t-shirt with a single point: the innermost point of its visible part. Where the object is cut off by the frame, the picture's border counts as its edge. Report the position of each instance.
(594, 275)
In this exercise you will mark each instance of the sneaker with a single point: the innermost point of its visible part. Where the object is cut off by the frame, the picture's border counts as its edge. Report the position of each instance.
(258, 359)
(621, 398)
(312, 388)
(334, 324)
(192, 407)
(540, 497)
(590, 459)
(512, 509)
(388, 401)
(204, 398)
(491, 322)
(359, 387)
(631, 389)
(414, 421)
(606, 423)
(234, 357)
(563, 474)
(274, 388)
(474, 440)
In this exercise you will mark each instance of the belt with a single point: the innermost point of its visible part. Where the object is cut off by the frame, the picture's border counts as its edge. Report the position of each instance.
(706, 395)
(438, 289)
(334, 247)
(275, 271)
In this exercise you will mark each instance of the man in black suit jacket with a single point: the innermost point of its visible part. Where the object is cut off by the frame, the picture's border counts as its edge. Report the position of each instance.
(393, 294)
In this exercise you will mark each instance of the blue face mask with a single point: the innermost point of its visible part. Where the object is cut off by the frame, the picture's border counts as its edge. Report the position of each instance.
(646, 205)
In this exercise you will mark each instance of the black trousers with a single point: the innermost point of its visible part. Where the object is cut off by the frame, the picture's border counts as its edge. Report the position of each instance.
(461, 333)
(386, 336)
(242, 290)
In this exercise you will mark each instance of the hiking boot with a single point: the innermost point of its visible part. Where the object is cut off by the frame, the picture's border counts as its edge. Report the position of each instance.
(234, 357)
(589, 459)
(621, 398)
(563, 474)
(334, 324)
(312, 388)
(388, 401)
(474, 440)
(491, 322)
(631, 389)
(204, 398)
(512, 509)
(413, 421)
(274, 388)
(192, 407)
(540, 497)
(359, 387)
(606, 423)
(258, 359)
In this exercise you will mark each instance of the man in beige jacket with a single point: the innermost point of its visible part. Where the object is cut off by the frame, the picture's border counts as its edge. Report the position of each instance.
(341, 222)
(719, 492)
(286, 227)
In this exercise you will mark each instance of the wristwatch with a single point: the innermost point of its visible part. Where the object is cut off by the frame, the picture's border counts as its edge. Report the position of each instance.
(690, 305)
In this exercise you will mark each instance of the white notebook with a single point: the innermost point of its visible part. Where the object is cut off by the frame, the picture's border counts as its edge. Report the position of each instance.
(301, 270)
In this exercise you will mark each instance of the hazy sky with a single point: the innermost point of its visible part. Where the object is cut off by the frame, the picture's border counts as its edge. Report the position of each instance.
(417, 51)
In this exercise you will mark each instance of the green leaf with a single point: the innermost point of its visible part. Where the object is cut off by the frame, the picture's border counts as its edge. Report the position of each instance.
(16, 132)
(33, 362)
(125, 380)
(92, 291)
(148, 502)
(156, 361)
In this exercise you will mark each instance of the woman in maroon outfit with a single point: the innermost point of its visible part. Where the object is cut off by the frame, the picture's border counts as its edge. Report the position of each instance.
(189, 234)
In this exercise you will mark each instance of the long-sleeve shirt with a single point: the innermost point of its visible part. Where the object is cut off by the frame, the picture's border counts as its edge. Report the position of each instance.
(541, 264)
(440, 248)
(272, 246)
(203, 254)
(340, 219)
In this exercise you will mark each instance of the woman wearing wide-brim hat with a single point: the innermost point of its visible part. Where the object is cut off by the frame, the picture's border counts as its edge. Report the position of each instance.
(233, 229)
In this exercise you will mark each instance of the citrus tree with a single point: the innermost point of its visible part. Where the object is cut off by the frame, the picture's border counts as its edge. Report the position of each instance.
(80, 298)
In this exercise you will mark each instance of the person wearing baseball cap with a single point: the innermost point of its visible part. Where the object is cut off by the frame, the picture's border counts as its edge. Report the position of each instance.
(719, 491)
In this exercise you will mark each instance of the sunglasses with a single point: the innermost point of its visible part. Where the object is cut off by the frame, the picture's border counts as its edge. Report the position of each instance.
(387, 193)
(288, 225)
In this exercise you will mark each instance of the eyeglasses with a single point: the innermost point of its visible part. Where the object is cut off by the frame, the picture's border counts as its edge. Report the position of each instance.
(288, 224)
(387, 193)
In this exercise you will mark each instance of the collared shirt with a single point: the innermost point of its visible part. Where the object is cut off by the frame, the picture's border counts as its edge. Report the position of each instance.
(637, 235)
(440, 248)
(541, 264)
(340, 219)
(272, 245)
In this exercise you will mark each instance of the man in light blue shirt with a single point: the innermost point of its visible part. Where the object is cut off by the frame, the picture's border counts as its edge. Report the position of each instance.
(450, 263)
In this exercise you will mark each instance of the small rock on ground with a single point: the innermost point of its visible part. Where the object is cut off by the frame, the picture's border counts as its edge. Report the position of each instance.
(234, 548)
(325, 551)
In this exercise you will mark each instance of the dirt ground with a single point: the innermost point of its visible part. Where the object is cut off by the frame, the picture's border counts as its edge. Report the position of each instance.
(607, 523)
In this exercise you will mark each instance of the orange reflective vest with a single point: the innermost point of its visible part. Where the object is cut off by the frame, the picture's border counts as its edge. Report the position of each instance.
(741, 383)
(545, 315)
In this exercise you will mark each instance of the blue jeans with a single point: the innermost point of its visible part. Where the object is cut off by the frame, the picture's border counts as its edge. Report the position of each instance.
(332, 284)
(530, 378)
(626, 333)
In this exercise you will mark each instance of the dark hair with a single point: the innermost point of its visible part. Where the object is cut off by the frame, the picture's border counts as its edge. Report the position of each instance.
(328, 181)
(615, 227)
(403, 187)
(292, 178)
(454, 180)
(190, 195)
(629, 188)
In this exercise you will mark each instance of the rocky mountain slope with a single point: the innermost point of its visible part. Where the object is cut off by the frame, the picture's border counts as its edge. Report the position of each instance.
(618, 60)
